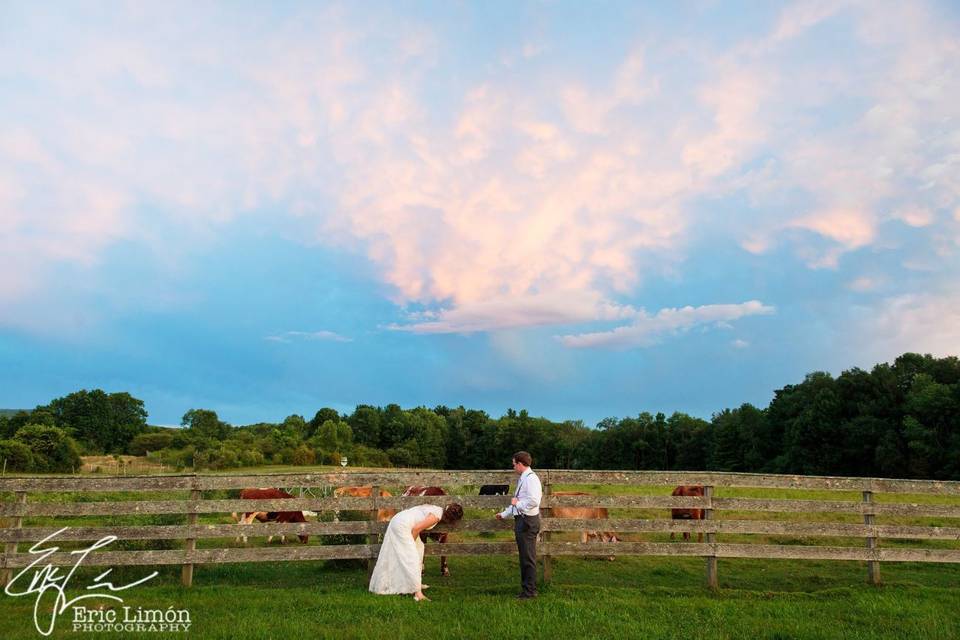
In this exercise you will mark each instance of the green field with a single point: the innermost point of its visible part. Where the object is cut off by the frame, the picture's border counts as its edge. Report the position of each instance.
(632, 597)
(629, 597)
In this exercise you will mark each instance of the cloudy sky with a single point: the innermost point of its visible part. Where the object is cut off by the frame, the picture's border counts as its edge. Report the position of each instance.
(583, 209)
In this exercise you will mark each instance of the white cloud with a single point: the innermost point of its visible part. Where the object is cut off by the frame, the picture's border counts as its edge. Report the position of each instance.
(508, 312)
(921, 323)
(533, 49)
(508, 203)
(892, 89)
(291, 336)
(915, 216)
(740, 344)
(646, 330)
(863, 284)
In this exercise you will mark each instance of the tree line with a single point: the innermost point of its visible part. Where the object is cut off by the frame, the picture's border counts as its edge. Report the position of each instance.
(896, 420)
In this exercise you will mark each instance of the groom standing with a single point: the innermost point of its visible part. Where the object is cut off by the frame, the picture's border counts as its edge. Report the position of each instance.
(525, 509)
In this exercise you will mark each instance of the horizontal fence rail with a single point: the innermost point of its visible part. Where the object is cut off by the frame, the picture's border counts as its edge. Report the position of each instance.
(347, 552)
(23, 499)
(365, 527)
(158, 507)
(456, 478)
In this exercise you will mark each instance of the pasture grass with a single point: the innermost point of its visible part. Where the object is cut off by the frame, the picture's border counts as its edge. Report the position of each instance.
(631, 597)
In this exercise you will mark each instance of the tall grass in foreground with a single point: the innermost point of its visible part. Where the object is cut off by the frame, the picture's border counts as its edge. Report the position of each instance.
(629, 598)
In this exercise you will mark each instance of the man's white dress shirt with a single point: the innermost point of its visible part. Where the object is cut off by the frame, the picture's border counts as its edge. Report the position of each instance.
(528, 494)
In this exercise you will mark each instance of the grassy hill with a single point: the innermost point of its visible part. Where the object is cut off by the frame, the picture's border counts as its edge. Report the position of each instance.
(632, 597)
(10, 412)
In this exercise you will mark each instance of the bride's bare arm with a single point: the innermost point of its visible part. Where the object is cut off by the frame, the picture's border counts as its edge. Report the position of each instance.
(426, 523)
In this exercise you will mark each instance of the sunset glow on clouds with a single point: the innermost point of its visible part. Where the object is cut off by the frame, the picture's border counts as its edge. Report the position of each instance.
(374, 183)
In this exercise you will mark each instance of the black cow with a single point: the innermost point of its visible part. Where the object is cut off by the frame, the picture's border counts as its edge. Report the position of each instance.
(494, 489)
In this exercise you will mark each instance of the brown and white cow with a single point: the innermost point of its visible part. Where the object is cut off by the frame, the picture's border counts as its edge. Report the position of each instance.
(687, 514)
(585, 513)
(281, 517)
(440, 537)
(383, 515)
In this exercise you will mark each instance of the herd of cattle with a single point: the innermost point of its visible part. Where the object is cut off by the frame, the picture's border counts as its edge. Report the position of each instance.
(384, 515)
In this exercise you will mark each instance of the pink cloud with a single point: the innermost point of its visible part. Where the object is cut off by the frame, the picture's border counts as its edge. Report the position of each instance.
(517, 203)
(848, 227)
(915, 216)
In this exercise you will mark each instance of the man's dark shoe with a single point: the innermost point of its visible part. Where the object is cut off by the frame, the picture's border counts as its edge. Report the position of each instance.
(526, 596)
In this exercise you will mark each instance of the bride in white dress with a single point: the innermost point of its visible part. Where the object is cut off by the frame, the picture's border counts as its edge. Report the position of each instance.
(400, 563)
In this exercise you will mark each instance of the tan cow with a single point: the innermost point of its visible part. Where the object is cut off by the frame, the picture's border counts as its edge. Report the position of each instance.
(585, 513)
(383, 515)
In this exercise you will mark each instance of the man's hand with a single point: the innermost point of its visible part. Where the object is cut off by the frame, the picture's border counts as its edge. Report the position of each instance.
(499, 516)
(514, 501)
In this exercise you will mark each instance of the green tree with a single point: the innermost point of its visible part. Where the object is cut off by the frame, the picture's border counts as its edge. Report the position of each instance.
(368, 457)
(53, 450)
(365, 422)
(406, 454)
(395, 426)
(571, 440)
(481, 442)
(932, 422)
(457, 457)
(333, 437)
(689, 439)
(16, 456)
(303, 455)
(734, 445)
(204, 423)
(296, 426)
(101, 421)
(14, 422)
(809, 414)
(430, 432)
(321, 416)
(145, 442)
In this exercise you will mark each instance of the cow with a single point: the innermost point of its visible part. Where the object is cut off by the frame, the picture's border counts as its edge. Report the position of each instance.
(585, 513)
(282, 517)
(494, 489)
(687, 514)
(440, 537)
(383, 515)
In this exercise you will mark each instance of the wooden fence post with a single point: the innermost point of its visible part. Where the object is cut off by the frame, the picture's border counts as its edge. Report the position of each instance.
(186, 574)
(547, 513)
(373, 538)
(873, 567)
(11, 547)
(712, 582)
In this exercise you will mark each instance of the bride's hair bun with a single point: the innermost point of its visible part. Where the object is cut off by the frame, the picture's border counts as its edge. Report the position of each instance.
(452, 513)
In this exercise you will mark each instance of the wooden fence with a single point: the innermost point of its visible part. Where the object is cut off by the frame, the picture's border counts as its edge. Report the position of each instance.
(192, 505)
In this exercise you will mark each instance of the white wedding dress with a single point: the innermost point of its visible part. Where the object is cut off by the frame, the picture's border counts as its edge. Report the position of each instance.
(400, 561)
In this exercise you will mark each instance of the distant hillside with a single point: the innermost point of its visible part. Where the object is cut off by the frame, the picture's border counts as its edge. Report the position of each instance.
(10, 412)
